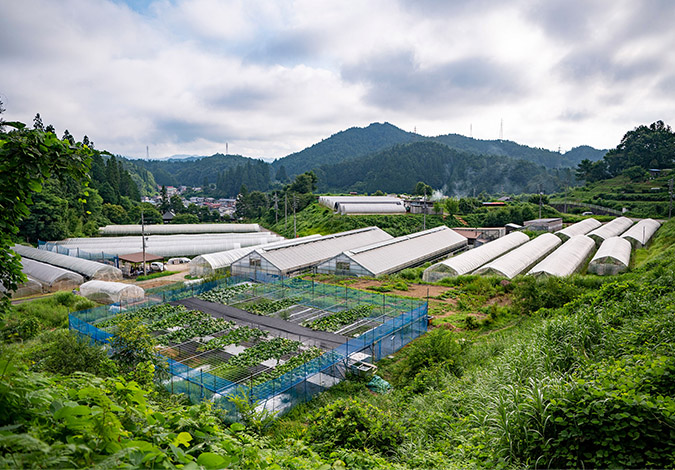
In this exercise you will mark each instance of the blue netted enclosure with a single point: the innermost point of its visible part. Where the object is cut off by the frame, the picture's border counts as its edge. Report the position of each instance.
(276, 344)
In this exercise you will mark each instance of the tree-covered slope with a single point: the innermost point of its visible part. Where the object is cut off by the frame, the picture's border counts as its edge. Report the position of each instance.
(351, 143)
(399, 168)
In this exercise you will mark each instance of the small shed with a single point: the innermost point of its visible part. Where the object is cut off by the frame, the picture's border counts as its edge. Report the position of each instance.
(613, 257)
(544, 225)
(111, 292)
(168, 217)
(133, 262)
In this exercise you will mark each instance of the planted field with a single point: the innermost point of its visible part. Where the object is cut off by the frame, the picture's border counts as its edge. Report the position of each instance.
(223, 294)
(341, 319)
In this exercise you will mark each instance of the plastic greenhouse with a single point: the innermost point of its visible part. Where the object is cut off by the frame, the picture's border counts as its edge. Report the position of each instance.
(51, 277)
(89, 269)
(111, 292)
(640, 234)
(471, 260)
(299, 257)
(336, 202)
(170, 245)
(210, 263)
(613, 257)
(580, 228)
(522, 258)
(30, 287)
(611, 229)
(118, 230)
(374, 208)
(395, 255)
(567, 259)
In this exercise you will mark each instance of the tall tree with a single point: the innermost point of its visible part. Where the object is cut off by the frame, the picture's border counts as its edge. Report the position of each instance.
(28, 157)
(37, 123)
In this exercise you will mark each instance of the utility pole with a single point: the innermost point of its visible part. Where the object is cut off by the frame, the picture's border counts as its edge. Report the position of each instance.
(145, 269)
(276, 208)
(285, 210)
(670, 190)
(540, 194)
(295, 206)
(424, 210)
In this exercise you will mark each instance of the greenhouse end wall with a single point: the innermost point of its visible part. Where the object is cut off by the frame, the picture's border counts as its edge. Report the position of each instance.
(296, 386)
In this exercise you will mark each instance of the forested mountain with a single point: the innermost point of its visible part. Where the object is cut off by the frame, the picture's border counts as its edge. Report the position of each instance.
(351, 143)
(191, 172)
(398, 169)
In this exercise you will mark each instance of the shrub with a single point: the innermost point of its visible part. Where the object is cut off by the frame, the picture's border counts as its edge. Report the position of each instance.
(66, 353)
(349, 424)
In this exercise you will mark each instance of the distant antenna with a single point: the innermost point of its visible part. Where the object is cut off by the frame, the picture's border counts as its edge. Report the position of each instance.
(227, 150)
(415, 130)
(558, 148)
(501, 130)
(471, 130)
(147, 151)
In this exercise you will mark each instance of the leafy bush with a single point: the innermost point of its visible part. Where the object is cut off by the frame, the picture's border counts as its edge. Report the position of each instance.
(349, 424)
(66, 353)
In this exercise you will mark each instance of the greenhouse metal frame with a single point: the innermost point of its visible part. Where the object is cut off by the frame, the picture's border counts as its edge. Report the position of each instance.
(566, 260)
(334, 202)
(640, 234)
(107, 292)
(522, 258)
(613, 257)
(170, 229)
(396, 254)
(580, 228)
(399, 320)
(473, 259)
(87, 268)
(301, 257)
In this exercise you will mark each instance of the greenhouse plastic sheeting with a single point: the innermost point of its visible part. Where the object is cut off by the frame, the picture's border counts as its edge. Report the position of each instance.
(167, 229)
(51, 277)
(611, 229)
(471, 260)
(171, 245)
(207, 264)
(521, 258)
(334, 202)
(567, 259)
(580, 228)
(394, 255)
(89, 269)
(612, 257)
(640, 234)
(30, 287)
(111, 292)
(373, 208)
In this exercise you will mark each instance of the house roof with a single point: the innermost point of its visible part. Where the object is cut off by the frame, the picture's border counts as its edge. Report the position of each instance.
(138, 257)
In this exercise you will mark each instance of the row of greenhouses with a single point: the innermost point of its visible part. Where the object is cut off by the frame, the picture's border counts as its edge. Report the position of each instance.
(86, 268)
(547, 255)
(174, 229)
(277, 344)
(170, 245)
(352, 205)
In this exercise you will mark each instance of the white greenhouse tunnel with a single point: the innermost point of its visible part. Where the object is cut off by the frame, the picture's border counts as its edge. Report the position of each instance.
(566, 260)
(521, 258)
(613, 257)
(111, 292)
(88, 269)
(640, 234)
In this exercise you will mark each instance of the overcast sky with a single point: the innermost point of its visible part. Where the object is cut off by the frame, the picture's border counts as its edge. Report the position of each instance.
(273, 77)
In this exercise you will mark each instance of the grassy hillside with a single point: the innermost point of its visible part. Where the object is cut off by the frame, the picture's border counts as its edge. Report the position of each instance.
(646, 197)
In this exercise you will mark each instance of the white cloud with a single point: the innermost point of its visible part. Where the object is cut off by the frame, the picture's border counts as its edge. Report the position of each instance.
(271, 78)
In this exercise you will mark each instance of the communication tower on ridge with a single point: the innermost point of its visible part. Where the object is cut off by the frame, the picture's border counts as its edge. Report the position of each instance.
(501, 130)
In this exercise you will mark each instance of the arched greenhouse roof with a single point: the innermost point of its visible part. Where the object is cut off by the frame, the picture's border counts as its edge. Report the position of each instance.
(371, 208)
(612, 257)
(567, 259)
(640, 234)
(469, 261)
(580, 228)
(519, 259)
(87, 268)
(111, 292)
(51, 276)
(611, 229)
(166, 229)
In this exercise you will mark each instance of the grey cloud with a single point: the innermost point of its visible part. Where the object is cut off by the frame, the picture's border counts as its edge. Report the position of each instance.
(569, 20)
(182, 130)
(575, 115)
(241, 98)
(396, 81)
(434, 8)
(287, 48)
(581, 65)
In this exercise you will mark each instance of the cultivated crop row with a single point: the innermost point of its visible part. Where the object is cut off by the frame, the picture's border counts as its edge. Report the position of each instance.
(236, 336)
(338, 320)
(223, 295)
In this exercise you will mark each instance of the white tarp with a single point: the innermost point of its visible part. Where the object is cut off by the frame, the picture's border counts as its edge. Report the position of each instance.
(567, 259)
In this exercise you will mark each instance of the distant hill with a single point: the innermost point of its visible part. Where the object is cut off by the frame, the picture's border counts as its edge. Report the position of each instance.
(351, 143)
(191, 172)
(399, 168)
